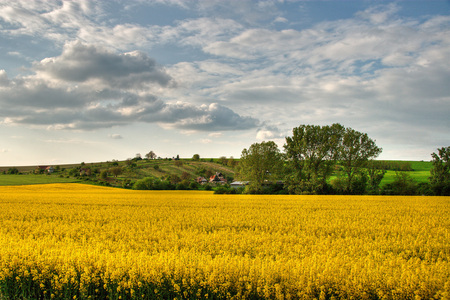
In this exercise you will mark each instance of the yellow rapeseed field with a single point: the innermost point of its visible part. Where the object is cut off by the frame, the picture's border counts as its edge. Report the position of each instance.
(73, 241)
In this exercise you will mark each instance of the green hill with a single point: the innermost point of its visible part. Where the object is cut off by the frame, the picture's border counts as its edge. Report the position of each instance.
(119, 173)
(420, 172)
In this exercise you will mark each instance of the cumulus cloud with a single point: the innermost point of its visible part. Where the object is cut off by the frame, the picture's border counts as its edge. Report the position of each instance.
(88, 87)
(269, 133)
(213, 117)
(81, 63)
(3, 78)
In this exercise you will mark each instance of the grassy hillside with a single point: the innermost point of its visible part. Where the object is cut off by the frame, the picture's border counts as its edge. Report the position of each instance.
(420, 172)
(130, 171)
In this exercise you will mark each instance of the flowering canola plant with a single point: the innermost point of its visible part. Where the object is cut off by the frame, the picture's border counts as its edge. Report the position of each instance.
(73, 241)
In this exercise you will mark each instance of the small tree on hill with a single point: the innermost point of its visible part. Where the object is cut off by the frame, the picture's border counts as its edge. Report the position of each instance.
(116, 171)
(150, 155)
(223, 160)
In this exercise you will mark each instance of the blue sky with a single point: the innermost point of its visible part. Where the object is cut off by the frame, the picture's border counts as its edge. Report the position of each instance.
(101, 80)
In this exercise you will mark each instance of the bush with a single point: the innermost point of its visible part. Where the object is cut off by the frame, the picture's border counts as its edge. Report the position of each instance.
(402, 185)
(425, 189)
(193, 186)
(183, 185)
(13, 171)
(104, 174)
(143, 184)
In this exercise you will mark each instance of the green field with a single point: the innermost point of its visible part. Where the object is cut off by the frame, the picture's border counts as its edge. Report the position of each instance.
(420, 173)
(33, 179)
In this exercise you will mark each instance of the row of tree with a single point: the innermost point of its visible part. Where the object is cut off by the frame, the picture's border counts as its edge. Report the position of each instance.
(314, 153)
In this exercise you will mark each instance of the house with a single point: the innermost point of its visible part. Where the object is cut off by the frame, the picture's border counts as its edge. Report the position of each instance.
(85, 172)
(239, 184)
(201, 180)
(44, 169)
(218, 178)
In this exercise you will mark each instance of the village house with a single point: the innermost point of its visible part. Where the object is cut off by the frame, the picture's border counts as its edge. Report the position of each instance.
(201, 180)
(218, 178)
(85, 172)
(44, 169)
(239, 184)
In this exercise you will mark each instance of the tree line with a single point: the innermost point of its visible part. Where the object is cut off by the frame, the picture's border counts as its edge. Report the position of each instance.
(332, 159)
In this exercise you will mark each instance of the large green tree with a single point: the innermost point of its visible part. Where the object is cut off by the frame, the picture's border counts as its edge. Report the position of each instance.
(260, 163)
(354, 151)
(440, 173)
(311, 153)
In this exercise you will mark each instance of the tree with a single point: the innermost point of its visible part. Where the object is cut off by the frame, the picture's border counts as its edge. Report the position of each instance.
(354, 151)
(150, 155)
(231, 162)
(223, 160)
(196, 157)
(174, 179)
(403, 184)
(104, 174)
(440, 172)
(375, 175)
(116, 171)
(259, 163)
(311, 154)
(209, 173)
(13, 171)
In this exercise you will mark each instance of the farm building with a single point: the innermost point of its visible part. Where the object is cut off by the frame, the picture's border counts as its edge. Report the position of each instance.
(239, 184)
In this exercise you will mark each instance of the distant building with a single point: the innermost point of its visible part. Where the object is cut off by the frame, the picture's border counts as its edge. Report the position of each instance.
(201, 180)
(239, 184)
(44, 169)
(218, 178)
(85, 172)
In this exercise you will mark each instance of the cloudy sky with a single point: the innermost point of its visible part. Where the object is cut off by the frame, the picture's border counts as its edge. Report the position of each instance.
(101, 80)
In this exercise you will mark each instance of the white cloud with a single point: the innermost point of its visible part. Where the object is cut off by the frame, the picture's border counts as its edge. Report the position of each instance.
(82, 63)
(88, 87)
(116, 136)
(4, 81)
(215, 134)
